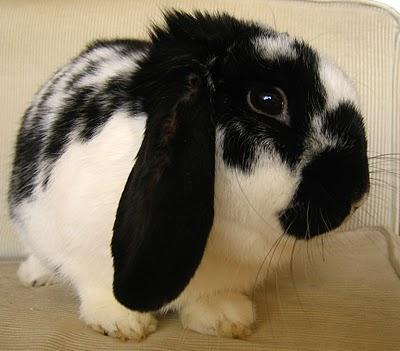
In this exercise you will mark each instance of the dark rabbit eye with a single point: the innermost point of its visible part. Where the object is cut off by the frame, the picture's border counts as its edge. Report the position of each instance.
(271, 102)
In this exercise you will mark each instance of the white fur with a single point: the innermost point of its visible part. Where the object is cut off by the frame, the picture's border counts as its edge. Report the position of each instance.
(245, 226)
(338, 86)
(339, 89)
(319, 137)
(318, 140)
(273, 48)
(110, 62)
(77, 66)
(109, 69)
(69, 226)
(33, 272)
(230, 314)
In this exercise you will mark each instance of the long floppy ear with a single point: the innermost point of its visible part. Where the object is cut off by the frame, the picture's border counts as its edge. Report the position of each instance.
(167, 207)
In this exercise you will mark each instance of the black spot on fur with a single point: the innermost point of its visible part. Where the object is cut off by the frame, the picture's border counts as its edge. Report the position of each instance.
(84, 109)
(246, 130)
(333, 180)
(160, 233)
(27, 151)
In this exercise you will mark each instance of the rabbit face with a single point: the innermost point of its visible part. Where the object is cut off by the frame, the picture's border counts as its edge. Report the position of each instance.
(290, 134)
(248, 131)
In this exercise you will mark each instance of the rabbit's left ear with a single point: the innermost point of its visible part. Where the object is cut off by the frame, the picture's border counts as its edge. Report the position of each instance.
(167, 207)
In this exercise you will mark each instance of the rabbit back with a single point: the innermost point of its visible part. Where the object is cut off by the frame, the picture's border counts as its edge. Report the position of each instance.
(73, 106)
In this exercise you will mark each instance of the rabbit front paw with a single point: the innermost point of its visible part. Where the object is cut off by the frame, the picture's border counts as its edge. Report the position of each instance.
(227, 314)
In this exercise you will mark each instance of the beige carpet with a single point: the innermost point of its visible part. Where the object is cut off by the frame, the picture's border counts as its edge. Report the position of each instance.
(345, 297)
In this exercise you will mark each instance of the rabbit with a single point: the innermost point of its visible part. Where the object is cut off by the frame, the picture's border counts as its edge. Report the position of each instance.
(156, 175)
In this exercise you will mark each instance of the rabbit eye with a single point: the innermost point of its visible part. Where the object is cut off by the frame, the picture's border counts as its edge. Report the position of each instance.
(271, 102)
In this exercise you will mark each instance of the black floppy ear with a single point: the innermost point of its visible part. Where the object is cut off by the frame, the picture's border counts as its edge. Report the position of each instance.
(166, 210)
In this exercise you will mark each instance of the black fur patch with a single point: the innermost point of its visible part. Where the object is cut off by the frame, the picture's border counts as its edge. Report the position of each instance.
(90, 107)
(86, 109)
(166, 210)
(246, 130)
(25, 167)
(333, 181)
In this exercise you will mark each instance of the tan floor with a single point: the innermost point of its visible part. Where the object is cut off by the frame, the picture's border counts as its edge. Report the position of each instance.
(349, 301)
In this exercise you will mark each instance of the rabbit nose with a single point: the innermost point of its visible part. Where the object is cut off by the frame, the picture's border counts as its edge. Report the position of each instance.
(333, 186)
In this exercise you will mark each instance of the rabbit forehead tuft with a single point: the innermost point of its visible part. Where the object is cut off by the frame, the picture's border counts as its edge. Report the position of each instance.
(278, 45)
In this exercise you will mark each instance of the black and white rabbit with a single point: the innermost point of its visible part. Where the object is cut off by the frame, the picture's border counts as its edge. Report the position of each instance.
(157, 175)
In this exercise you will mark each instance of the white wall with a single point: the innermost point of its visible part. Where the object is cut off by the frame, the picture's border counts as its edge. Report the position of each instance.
(393, 3)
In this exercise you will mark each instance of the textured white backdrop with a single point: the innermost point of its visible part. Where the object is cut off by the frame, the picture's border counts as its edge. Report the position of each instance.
(393, 3)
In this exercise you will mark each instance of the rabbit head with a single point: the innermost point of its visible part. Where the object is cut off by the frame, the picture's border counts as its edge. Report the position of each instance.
(240, 118)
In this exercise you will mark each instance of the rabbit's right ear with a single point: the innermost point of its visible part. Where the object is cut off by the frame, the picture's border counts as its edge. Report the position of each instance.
(166, 210)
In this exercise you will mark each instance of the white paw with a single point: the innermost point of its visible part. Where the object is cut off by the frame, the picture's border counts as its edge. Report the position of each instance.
(226, 314)
(230, 329)
(107, 316)
(32, 272)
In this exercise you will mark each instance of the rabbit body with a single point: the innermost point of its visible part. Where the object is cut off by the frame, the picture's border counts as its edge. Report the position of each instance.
(78, 143)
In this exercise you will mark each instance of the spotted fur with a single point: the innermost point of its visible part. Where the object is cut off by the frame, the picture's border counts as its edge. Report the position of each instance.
(143, 176)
